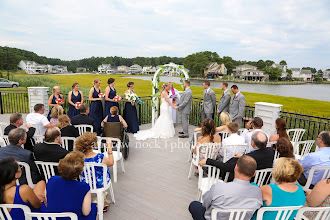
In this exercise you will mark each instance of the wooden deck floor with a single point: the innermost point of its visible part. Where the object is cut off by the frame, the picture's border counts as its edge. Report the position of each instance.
(155, 184)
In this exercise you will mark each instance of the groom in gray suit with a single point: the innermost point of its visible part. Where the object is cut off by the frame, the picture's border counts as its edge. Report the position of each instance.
(224, 101)
(208, 102)
(237, 106)
(184, 107)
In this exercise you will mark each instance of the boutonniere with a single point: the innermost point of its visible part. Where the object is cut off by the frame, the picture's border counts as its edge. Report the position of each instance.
(208, 93)
(222, 95)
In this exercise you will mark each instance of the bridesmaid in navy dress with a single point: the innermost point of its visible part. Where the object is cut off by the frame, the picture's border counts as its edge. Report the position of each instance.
(130, 113)
(74, 96)
(110, 93)
(52, 100)
(96, 108)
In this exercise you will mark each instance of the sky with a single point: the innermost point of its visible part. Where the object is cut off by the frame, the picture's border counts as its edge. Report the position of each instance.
(297, 31)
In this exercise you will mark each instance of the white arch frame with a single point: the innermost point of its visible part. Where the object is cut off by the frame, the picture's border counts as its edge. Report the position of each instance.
(155, 81)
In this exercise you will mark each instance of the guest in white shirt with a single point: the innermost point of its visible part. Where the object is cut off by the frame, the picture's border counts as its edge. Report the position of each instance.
(233, 139)
(257, 123)
(38, 118)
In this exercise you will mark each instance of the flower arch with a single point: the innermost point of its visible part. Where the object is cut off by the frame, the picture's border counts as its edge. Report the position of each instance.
(155, 84)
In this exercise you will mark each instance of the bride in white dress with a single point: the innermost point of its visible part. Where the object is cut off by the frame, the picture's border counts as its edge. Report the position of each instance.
(163, 127)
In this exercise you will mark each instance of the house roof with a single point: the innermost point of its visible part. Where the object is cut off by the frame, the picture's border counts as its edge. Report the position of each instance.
(247, 65)
(247, 70)
(295, 69)
(306, 72)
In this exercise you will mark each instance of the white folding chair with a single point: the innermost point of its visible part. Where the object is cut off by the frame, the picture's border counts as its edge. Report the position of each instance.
(5, 140)
(205, 183)
(321, 213)
(38, 139)
(230, 150)
(52, 216)
(211, 149)
(2, 127)
(193, 144)
(48, 169)
(90, 178)
(283, 213)
(223, 134)
(4, 213)
(40, 130)
(231, 214)
(296, 134)
(271, 143)
(66, 142)
(240, 131)
(263, 176)
(317, 170)
(28, 176)
(117, 155)
(306, 148)
(84, 128)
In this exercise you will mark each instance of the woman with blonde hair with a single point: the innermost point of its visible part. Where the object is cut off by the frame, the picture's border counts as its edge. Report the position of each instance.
(285, 192)
(75, 96)
(96, 108)
(225, 121)
(163, 127)
(57, 111)
(55, 99)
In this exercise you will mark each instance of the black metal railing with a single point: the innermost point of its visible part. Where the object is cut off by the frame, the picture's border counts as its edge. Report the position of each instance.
(14, 101)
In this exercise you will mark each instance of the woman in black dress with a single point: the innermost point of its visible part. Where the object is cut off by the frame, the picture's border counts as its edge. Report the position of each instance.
(130, 113)
(110, 93)
(55, 99)
(96, 108)
(73, 97)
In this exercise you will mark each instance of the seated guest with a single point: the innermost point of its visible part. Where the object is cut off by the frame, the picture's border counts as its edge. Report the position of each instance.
(233, 139)
(114, 117)
(10, 193)
(50, 150)
(66, 194)
(319, 158)
(225, 120)
(285, 192)
(318, 197)
(37, 118)
(239, 194)
(85, 144)
(57, 111)
(17, 137)
(67, 130)
(16, 121)
(262, 154)
(284, 148)
(257, 123)
(83, 118)
(280, 125)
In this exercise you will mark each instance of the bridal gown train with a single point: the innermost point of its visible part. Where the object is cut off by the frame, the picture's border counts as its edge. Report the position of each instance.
(163, 127)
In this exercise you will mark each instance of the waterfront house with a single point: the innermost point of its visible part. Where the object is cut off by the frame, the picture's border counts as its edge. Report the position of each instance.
(105, 68)
(249, 72)
(123, 69)
(81, 69)
(305, 75)
(31, 67)
(135, 69)
(283, 68)
(326, 75)
(148, 70)
(215, 70)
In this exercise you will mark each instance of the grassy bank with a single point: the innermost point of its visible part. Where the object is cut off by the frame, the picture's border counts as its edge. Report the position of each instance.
(143, 88)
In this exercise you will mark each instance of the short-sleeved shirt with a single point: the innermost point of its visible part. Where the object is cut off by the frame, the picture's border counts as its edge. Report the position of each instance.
(37, 119)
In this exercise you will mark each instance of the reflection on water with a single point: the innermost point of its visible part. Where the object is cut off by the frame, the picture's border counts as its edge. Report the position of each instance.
(307, 91)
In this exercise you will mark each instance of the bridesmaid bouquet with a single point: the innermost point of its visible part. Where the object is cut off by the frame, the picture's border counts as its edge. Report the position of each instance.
(78, 104)
(101, 95)
(117, 98)
(59, 100)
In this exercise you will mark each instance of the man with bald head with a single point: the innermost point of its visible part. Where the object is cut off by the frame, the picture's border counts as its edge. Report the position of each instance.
(263, 155)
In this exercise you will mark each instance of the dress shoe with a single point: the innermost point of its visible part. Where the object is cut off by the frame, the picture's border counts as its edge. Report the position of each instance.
(181, 132)
(183, 136)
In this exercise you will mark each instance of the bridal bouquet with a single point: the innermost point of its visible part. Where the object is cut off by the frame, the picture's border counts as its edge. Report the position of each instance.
(133, 98)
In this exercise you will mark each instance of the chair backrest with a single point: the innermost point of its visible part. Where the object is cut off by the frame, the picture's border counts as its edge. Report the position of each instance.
(38, 139)
(223, 134)
(84, 128)
(213, 175)
(231, 214)
(321, 213)
(5, 140)
(196, 134)
(68, 143)
(240, 131)
(102, 148)
(271, 143)
(296, 134)
(113, 129)
(211, 150)
(326, 174)
(283, 213)
(40, 130)
(4, 213)
(48, 169)
(28, 176)
(90, 176)
(50, 216)
(230, 150)
(2, 127)
(263, 176)
(306, 147)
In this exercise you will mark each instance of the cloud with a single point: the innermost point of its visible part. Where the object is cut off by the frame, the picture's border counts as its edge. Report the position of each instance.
(247, 30)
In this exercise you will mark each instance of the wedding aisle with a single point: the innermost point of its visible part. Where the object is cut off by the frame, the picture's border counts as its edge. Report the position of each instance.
(155, 184)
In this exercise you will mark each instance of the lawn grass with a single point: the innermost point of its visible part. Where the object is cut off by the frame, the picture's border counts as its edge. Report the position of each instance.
(143, 88)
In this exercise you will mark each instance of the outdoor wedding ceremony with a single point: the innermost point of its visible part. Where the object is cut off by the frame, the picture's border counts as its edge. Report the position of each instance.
(204, 110)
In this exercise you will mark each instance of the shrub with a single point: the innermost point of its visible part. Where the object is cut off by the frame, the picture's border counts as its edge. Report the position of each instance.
(28, 81)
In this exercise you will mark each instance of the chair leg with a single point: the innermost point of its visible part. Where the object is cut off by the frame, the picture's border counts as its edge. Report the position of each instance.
(100, 205)
(112, 195)
(190, 170)
(114, 168)
(122, 165)
(190, 154)
(199, 195)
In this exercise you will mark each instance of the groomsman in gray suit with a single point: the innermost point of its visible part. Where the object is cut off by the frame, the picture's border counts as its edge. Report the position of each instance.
(224, 101)
(184, 107)
(209, 101)
(237, 106)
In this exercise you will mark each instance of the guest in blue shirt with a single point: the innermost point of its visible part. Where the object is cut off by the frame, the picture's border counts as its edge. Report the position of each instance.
(320, 158)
